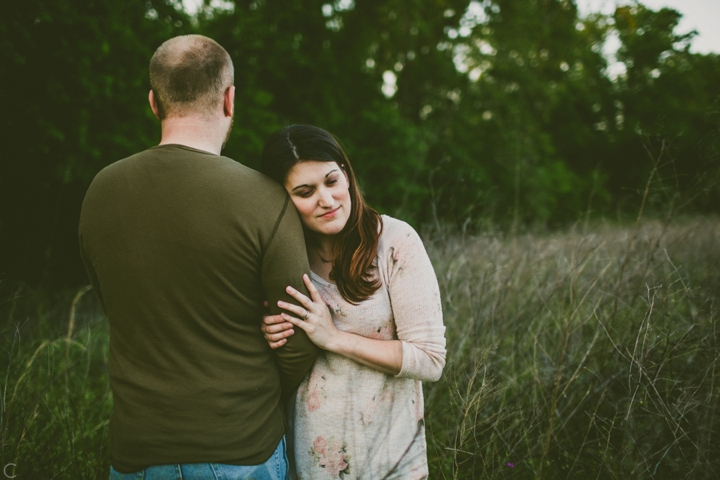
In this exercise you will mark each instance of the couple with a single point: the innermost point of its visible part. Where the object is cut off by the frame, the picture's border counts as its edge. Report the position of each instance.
(183, 246)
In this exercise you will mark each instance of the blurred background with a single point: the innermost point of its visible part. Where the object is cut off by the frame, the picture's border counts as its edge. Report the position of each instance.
(561, 159)
(510, 113)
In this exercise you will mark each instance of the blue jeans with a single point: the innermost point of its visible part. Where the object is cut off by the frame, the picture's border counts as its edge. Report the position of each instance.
(276, 468)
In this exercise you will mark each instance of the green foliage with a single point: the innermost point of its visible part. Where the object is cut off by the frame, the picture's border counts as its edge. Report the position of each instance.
(590, 352)
(312, 66)
(587, 353)
(667, 103)
(74, 84)
(57, 401)
(531, 74)
(76, 73)
(453, 111)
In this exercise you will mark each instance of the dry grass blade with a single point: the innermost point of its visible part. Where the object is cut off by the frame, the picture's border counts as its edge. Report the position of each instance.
(575, 322)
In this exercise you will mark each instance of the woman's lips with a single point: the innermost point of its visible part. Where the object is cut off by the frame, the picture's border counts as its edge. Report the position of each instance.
(331, 213)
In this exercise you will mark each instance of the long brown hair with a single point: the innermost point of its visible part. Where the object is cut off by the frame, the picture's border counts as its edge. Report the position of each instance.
(355, 247)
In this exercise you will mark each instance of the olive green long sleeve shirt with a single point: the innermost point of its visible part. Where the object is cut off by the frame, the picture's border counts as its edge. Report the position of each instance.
(182, 247)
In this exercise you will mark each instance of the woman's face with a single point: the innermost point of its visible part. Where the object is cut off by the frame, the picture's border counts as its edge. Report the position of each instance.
(321, 194)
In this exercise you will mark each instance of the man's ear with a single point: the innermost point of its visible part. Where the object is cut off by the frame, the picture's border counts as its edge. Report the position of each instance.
(229, 101)
(153, 104)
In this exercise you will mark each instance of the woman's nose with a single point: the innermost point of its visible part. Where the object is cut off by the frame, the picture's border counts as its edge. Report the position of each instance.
(325, 198)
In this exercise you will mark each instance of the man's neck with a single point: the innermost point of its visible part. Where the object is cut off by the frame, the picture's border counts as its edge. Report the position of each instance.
(195, 132)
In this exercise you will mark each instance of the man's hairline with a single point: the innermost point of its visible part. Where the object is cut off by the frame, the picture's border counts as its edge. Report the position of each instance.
(170, 54)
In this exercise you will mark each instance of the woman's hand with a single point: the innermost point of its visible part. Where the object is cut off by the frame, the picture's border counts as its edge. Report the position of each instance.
(276, 330)
(313, 317)
(382, 355)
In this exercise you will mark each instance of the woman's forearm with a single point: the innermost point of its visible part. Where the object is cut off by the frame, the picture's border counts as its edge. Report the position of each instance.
(382, 355)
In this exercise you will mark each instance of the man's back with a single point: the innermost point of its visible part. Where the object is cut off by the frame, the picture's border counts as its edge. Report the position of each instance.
(183, 246)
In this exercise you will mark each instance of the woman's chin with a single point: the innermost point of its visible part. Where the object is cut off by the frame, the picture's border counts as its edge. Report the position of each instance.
(326, 230)
(329, 232)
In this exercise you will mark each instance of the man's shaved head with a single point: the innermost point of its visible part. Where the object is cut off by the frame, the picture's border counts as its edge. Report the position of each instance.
(189, 74)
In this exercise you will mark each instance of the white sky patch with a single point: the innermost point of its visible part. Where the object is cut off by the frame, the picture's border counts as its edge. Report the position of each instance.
(425, 111)
(700, 15)
(460, 57)
(615, 68)
(474, 15)
(342, 5)
(192, 6)
(389, 87)
(485, 48)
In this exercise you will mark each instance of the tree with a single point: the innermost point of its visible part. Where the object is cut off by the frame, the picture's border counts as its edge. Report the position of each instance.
(667, 106)
(453, 111)
(74, 82)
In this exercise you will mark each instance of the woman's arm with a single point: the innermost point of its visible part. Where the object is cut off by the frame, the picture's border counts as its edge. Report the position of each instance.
(417, 310)
(416, 305)
(382, 355)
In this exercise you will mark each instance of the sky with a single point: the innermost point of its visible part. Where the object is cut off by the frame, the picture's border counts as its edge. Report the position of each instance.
(700, 15)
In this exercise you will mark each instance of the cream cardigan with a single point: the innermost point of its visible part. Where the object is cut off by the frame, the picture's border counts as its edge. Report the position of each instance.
(351, 421)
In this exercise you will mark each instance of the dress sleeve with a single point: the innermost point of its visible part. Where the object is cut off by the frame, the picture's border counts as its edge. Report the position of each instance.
(415, 299)
(284, 263)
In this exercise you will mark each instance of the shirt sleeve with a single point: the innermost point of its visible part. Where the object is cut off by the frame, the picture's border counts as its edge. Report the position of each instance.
(284, 263)
(91, 274)
(415, 299)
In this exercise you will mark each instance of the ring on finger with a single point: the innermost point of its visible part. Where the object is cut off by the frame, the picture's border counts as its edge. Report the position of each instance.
(307, 314)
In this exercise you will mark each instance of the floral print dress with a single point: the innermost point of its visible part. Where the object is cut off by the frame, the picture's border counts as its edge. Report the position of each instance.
(351, 421)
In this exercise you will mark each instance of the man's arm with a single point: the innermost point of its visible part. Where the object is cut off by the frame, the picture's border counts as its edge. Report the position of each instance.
(284, 263)
(91, 274)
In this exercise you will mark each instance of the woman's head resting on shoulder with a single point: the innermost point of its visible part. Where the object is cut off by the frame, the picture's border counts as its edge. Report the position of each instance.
(318, 176)
(321, 194)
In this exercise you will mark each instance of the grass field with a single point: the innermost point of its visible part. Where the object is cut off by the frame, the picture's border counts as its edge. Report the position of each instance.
(587, 353)
(582, 354)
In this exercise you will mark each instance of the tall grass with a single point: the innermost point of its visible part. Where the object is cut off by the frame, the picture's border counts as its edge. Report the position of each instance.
(582, 354)
(589, 353)
(56, 398)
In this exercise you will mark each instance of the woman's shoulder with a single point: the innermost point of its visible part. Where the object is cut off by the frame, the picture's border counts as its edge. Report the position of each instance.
(393, 227)
(395, 233)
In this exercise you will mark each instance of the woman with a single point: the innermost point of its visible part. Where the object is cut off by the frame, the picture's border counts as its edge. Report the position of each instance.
(375, 310)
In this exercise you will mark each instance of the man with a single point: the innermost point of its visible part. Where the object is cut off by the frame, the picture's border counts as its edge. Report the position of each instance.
(182, 247)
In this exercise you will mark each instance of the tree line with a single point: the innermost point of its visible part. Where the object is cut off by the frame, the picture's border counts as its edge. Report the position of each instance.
(458, 112)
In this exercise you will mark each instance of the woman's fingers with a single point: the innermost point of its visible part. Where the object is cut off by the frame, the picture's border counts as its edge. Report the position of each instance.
(299, 311)
(316, 298)
(304, 301)
(318, 325)
(297, 322)
(293, 309)
(307, 303)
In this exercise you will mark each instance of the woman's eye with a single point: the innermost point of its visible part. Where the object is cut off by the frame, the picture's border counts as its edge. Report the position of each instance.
(331, 181)
(305, 193)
